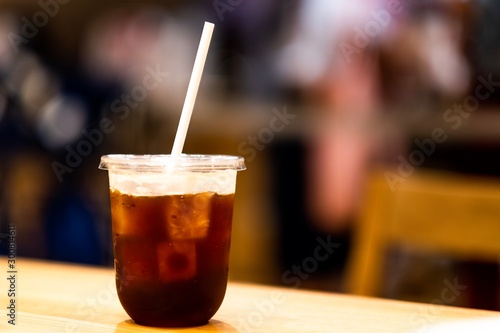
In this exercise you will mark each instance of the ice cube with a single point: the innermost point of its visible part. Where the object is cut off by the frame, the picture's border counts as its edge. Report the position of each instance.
(176, 260)
(138, 216)
(119, 215)
(188, 216)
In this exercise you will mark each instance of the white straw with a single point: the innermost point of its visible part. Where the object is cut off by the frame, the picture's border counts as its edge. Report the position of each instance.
(192, 90)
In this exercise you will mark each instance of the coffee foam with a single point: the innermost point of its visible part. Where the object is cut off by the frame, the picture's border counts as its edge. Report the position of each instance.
(175, 182)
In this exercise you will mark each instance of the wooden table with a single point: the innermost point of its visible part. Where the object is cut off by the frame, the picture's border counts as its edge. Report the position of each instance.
(55, 297)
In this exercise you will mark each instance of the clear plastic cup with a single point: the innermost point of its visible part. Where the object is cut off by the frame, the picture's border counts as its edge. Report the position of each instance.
(171, 220)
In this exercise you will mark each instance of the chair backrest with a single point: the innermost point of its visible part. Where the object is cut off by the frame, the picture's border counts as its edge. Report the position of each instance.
(452, 214)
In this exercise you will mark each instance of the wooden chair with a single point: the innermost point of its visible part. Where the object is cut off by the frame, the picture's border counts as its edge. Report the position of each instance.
(450, 214)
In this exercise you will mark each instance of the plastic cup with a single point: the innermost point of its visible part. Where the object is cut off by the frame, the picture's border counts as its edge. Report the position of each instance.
(171, 221)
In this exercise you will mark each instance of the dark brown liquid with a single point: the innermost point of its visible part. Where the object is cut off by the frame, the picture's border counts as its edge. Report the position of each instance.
(171, 256)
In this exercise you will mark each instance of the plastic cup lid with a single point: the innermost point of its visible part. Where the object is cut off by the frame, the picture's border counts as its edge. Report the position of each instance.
(185, 162)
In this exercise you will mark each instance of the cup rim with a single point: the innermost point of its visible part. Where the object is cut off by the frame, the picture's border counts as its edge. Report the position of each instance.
(163, 162)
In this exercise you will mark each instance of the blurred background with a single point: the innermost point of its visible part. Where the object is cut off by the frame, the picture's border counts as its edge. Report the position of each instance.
(316, 95)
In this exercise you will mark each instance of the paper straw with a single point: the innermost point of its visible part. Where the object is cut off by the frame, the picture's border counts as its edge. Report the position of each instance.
(193, 86)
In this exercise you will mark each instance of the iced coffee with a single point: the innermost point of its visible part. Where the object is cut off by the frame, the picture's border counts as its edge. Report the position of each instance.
(171, 222)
